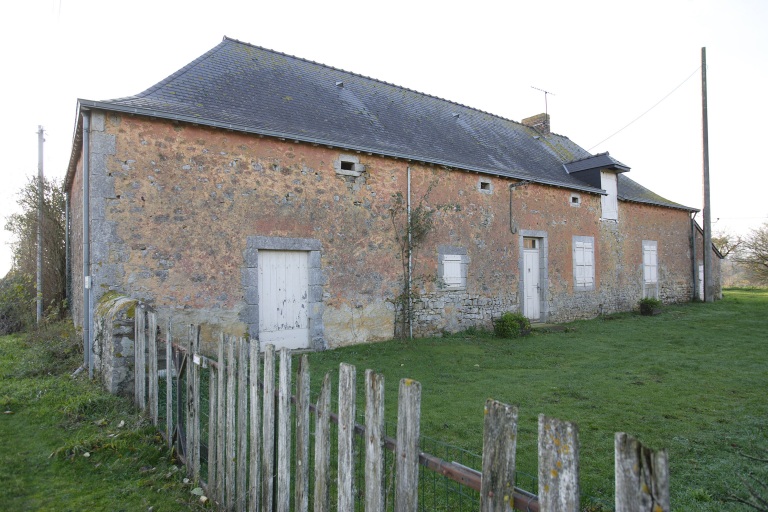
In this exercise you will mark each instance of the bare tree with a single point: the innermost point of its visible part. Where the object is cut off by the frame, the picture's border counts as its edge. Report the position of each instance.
(753, 254)
(23, 226)
(727, 243)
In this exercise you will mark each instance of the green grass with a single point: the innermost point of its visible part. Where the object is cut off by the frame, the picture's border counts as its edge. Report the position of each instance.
(67, 445)
(693, 380)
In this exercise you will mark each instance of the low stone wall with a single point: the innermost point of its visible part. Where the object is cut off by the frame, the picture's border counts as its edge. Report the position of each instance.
(442, 311)
(113, 340)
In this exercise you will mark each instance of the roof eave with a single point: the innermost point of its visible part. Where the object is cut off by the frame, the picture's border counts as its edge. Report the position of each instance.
(77, 147)
(656, 203)
(100, 105)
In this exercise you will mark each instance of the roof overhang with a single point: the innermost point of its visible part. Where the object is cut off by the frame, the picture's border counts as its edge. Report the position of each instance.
(86, 105)
(602, 161)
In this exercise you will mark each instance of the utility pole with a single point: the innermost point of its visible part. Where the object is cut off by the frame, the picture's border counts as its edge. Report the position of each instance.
(40, 182)
(707, 206)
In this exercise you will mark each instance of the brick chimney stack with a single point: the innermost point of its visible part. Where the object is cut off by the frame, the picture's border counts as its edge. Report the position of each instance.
(540, 123)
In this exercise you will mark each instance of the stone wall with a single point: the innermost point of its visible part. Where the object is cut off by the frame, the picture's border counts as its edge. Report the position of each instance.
(175, 205)
(114, 336)
(447, 311)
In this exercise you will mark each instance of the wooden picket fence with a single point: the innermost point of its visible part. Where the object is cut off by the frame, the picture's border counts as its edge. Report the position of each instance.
(252, 423)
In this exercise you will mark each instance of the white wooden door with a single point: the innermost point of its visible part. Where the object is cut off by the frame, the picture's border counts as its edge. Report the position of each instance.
(531, 288)
(283, 299)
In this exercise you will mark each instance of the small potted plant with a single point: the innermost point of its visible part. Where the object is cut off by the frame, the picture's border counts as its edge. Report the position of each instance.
(649, 306)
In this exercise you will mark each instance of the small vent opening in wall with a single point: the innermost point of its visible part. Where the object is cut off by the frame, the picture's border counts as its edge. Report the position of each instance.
(575, 200)
(348, 165)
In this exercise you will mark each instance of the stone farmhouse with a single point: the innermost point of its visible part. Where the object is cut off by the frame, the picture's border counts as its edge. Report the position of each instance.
(262, 194)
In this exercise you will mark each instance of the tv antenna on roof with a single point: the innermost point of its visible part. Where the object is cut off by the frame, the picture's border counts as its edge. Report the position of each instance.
(545, 98)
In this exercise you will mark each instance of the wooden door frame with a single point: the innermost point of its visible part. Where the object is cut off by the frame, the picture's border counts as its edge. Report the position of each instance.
(543, 271)
(250, 281)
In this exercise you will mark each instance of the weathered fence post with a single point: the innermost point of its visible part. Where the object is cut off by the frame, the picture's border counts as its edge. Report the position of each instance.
(212, 428)
(642, 477)
(255, 453)
(152, 359)
(323, 447)
(302, 435)
(558, 465)
(196, 369)
(221, 475)
(139, 368)
(169, 385)
(242, 424)
(374, 447)
(268, 431)
(499, 445)
(231, 404)
(284, 433)
(189, 401)
(407, 452)
(346, 465)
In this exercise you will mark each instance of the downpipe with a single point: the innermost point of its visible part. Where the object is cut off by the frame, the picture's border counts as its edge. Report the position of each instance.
(87, 316)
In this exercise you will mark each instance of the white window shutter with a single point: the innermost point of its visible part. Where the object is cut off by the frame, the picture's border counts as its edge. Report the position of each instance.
(583, 264)
(589, 264)
(650, 263)
(452, 271)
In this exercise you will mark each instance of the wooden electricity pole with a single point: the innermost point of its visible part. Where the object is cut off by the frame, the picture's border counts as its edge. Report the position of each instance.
(707, 250)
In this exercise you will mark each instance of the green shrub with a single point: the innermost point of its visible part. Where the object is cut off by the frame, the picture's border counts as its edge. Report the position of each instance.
(511, 325)
(17, 304)
(648, 305)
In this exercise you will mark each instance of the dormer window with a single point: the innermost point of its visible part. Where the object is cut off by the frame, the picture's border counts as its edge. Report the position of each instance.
(610, 201)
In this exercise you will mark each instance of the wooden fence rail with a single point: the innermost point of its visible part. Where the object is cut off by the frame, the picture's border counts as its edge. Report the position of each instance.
(256, 434)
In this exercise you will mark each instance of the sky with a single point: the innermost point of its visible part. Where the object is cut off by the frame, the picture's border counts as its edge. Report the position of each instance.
(628, 72)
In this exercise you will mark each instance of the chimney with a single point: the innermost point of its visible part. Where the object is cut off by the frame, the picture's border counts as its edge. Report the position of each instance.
(540, 123)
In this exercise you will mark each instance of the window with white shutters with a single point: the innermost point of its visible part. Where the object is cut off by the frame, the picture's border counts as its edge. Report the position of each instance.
(650, 269)
(452, 267)
(452, 271)
(583, 263)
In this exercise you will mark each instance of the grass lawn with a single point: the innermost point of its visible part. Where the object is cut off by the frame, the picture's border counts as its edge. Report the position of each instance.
(67, 445)
(693, 380)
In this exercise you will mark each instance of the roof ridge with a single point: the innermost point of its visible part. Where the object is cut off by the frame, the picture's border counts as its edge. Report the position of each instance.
(377, 80)
(590, 156)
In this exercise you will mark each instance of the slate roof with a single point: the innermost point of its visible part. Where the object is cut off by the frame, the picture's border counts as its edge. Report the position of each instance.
(598, 161)
(247, 88)
(629, 190)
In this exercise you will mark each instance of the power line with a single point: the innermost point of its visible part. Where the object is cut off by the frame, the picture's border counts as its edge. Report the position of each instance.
(654, 106)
